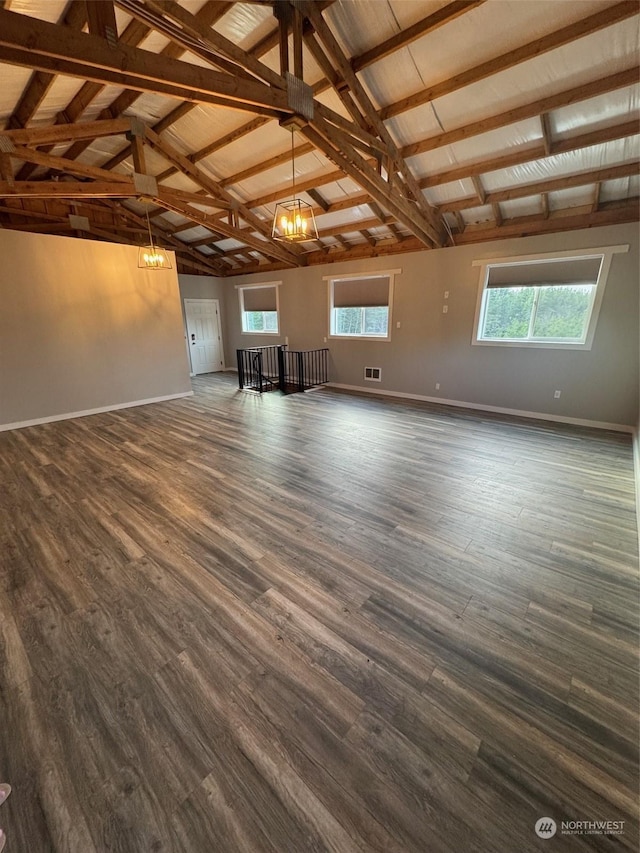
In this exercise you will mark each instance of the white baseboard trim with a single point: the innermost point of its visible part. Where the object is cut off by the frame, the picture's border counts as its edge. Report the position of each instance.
(479, 407)
(99, 411)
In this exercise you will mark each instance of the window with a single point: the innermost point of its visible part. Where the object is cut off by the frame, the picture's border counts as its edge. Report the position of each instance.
(259, 309)
(360, 306)
(544, 301)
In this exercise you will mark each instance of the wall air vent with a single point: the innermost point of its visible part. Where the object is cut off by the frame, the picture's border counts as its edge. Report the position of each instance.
(373, 374)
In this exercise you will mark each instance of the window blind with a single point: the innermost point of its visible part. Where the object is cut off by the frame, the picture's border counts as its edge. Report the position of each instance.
(361, 293)
(540, 273)
(259, 299)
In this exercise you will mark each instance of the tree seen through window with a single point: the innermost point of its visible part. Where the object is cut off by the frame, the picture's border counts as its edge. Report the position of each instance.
(537, 313)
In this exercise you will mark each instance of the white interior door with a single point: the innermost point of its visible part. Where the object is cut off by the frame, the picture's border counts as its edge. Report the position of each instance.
(204, 337)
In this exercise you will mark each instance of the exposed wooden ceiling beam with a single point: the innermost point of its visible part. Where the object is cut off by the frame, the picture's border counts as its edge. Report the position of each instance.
(118, 234)
(357, 168)
(265, 165)
(563, 220)
(208, 15)
(35, 43)
(148, 14)
(521, 227)
(577, 179)
(72, 167)
(335, 52)
(271, 248)
(529, 153)
(377, 211)
(544, 202)
(334, 79)
(133, 34)
(68, 189)
(301, 186)
(547, 136)
(101, 18)
(180, 161)
(215, 40)
(348, 228)
(395, 232)
(480, 192)
(163, 147)
(169, 241)
(74, 16)
(591, 24)
(569, 96)
(53, 134)
(574, 95)
(421, 28)
(319, 199)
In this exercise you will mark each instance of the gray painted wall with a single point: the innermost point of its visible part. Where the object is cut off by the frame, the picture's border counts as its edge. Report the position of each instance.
(81, 328)
(597, 385)
(202, 287)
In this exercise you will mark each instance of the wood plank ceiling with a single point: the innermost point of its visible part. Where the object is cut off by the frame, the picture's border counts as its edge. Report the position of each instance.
(416, 125)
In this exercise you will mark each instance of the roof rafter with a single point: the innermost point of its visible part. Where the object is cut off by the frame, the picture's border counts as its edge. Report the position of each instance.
(74, 16)
(133, 34)
(529, 153)
(574, 95)
(577, 179)
(212, 39)
(274, 250)
(350, 162)
(149, 13)
(217, 192)
(37, 43)
(369, 113)
(530, 50)
(427, 25)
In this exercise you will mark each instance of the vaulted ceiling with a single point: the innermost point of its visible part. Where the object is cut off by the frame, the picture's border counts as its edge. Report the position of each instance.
(416, 123)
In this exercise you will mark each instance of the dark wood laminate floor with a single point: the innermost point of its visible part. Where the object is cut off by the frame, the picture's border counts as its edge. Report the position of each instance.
(236, 624)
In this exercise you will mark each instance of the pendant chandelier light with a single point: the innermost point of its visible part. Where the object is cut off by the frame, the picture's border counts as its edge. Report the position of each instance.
(293, 220)
(152, 257)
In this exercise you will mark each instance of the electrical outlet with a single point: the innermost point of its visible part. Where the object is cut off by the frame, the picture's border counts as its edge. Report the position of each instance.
(556, 394)
(398, 324)
(445, 309)
(437, 386)
(446, 294)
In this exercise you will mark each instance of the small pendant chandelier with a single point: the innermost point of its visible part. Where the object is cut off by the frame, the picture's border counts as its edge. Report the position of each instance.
(293, 220)
(152, 257)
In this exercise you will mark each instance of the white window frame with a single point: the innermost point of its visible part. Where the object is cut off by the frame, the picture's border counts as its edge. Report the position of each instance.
(331, 279)
(604, 252)
(241, 289)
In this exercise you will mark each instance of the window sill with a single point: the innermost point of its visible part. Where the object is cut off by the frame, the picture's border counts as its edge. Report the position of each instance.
(532, 344)
(270, 334)
(359, 338)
